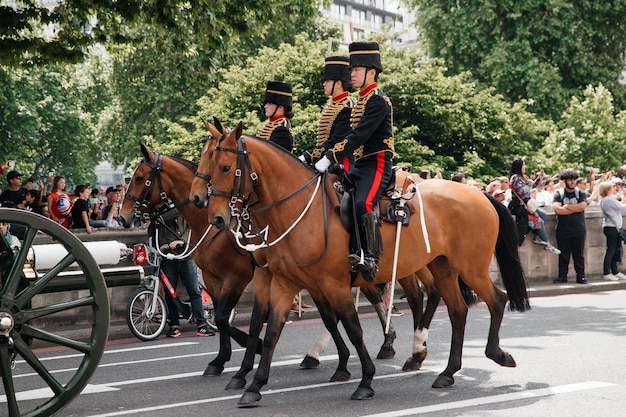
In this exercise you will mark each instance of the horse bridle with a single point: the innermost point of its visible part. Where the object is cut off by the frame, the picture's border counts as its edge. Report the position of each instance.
(143, 200)
(238, 196)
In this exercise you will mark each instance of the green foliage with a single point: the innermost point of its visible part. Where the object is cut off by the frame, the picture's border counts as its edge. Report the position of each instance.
(44, 127)
(442, 123)
(457, 127)
(538, 50)
(590, 134)
(209, 25)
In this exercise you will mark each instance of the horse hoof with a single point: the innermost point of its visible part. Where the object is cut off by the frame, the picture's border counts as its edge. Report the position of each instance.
(309, 362)
(362, 393)
(236, 383)
(341, 376)
(411, 365)
(386, 352)
(443, 381)
(249, 399)
(503, 358)
(213, 370)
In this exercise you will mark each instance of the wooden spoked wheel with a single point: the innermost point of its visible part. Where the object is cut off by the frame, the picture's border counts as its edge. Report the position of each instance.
(32, 385)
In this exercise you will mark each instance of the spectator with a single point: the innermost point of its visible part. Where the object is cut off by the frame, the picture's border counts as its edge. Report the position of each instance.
(32, 201)
(12, 241)
(493, 186)
(612, 222)
(45, 211)
(80, 209)
(15, 193)
(544, 193)
(459, 177)
(498, 195)
(30, 183)
(6, 166)
(95, 205)
(425, 174)
(569, 206)
(111, 212)
(59, 203)
(169, 232)
(521, 188)
(506, 187)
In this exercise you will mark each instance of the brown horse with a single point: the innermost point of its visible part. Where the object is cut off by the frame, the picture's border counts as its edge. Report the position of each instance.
(410, 285)
(161, 181)
(259, 189)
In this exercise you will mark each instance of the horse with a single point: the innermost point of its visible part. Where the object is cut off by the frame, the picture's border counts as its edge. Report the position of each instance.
(160, 183)
(410, 285)
(257, 188)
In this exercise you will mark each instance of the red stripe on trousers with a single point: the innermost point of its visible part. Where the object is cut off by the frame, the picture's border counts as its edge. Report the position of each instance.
(378, 177)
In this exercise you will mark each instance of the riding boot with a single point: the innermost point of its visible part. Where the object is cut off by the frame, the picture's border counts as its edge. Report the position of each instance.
(367, 261)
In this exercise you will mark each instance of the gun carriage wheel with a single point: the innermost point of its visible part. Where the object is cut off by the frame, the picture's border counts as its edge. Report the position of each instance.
(32, 385)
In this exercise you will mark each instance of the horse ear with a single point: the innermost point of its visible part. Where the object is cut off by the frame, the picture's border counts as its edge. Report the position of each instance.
(218, 124)
(145, 151)
(239, 130)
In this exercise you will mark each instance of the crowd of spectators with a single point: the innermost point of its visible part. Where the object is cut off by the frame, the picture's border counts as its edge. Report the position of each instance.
(83, 207)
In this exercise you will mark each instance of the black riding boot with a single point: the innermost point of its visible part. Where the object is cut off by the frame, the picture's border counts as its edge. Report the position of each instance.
(367, 262)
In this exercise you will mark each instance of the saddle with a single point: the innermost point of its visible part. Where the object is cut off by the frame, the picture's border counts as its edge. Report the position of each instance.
(340, 191)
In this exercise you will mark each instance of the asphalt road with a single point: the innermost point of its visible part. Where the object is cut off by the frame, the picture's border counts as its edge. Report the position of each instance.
(569, 351)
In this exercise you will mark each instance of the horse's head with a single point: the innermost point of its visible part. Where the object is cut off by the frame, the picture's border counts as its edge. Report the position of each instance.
(158, 181)
(226, 167)
(200, 184)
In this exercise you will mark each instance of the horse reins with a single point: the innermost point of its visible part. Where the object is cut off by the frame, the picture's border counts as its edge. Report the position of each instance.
(245, 213)
(165, 205)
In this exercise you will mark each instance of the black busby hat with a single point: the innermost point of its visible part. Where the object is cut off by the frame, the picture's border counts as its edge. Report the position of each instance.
(365, 54)
(278, 93)
(337, 68)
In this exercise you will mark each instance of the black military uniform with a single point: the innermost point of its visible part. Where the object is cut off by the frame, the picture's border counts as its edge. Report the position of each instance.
(278, 128)
(334, 124)
(371, 142)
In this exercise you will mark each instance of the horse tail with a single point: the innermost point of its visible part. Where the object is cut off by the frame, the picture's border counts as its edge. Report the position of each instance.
(469, 296)
(507, 256)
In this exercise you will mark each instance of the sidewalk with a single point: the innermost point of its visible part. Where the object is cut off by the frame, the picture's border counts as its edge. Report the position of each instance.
(119, 331)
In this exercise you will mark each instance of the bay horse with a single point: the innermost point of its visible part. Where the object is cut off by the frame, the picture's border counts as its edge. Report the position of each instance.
(258, 188)
(161, 182)
(410, 285)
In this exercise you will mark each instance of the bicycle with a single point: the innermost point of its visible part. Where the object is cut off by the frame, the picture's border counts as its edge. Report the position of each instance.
(146, 312)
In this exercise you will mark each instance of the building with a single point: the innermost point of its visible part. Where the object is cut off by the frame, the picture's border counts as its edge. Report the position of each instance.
(369, 16)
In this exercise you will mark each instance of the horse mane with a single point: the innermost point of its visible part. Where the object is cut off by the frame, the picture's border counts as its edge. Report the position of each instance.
(189, 164)
(279, 148)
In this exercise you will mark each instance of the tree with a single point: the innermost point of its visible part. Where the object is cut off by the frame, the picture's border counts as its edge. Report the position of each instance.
(589, 135)
(44, 125)
(33, 34)
(441, 122)
(544, 51)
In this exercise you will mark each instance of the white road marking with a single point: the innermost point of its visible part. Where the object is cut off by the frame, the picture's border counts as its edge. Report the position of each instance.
(44, 393)
(514, 396)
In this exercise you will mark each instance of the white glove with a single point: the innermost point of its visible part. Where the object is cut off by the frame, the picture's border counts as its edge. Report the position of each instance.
(301, 157)
(323, 164)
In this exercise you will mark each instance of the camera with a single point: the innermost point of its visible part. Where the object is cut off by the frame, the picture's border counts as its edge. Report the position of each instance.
(12, 164)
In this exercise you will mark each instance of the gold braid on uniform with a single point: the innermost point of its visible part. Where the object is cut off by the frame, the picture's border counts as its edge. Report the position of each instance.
(357, 113)
(270, 126)
(327, 119)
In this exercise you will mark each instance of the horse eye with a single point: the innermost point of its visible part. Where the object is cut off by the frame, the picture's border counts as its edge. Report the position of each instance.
(139, 179)
(225, 169)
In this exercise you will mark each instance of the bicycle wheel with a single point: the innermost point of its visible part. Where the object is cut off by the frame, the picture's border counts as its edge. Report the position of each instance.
(143, 322)
(210, 317)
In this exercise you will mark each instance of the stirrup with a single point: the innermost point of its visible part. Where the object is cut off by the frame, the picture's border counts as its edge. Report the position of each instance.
(357, 260)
